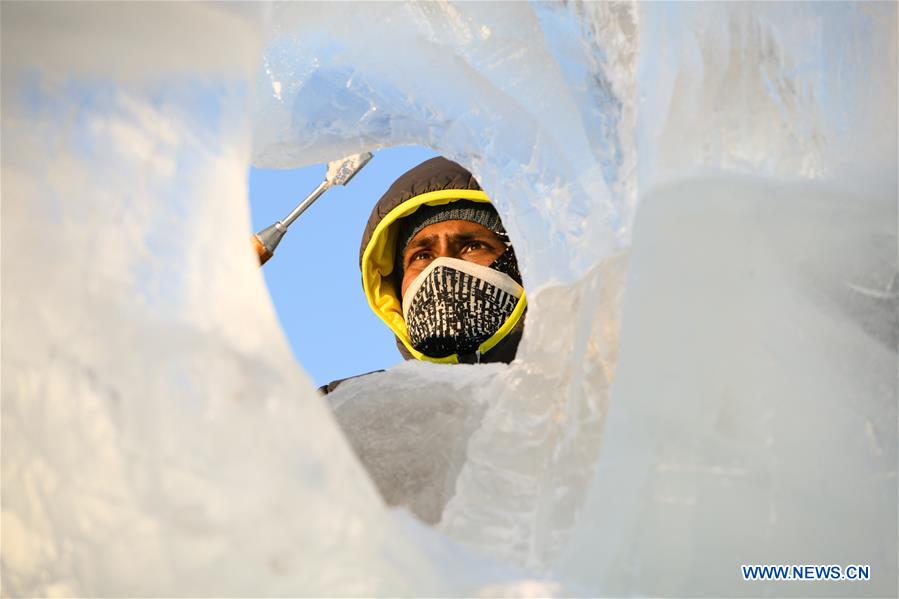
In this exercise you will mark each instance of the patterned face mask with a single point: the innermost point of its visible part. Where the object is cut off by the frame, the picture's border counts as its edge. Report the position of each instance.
(454, 305)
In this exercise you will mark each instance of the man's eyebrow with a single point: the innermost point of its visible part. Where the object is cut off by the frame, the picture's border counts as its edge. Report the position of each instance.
(471, 236)
(425, 241)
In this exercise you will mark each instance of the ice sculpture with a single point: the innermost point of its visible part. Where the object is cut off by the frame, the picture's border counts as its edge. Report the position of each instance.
(158, 439)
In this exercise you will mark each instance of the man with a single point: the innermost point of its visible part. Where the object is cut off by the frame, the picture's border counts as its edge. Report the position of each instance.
(439, 270)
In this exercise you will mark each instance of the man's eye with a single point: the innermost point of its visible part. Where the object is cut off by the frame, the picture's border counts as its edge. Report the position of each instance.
(420, 256)
(474, 246)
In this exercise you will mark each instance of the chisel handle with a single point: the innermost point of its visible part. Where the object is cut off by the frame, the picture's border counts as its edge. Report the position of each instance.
(263, 252)
(266, 240)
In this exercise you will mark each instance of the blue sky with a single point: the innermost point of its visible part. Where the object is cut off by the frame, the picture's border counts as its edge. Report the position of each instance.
(314, 277)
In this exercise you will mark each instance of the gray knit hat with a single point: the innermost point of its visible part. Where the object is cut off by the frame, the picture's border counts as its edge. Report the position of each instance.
(481, 213)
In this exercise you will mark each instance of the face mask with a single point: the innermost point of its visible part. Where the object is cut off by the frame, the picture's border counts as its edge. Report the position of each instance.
(454, 305)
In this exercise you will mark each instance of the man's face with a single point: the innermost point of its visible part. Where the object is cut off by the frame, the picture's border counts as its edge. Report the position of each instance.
(460, 239)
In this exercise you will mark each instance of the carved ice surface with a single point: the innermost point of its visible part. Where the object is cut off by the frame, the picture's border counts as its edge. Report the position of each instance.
(157, 437)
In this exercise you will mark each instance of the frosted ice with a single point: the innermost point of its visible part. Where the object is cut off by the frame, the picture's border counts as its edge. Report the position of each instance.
(413, 444)
(158, 439)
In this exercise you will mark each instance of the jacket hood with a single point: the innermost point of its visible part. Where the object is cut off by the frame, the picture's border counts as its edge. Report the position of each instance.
(433, 182)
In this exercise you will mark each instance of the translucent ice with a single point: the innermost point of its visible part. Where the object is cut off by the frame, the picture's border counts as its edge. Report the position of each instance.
(158, 439)
(754, 411)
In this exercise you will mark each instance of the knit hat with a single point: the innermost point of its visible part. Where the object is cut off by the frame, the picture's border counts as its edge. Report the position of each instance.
(481, 213)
